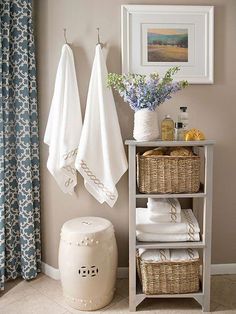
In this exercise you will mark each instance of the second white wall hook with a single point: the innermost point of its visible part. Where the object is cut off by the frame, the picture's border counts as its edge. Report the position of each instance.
(98, 40)
(64, 30)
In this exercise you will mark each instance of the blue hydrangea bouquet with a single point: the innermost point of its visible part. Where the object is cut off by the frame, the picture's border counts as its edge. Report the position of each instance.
(144, 93)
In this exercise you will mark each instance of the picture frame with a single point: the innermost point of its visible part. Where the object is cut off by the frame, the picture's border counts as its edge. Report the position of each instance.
(156, 37)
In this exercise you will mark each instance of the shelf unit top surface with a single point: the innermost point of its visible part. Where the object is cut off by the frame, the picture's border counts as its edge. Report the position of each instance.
(170, 143)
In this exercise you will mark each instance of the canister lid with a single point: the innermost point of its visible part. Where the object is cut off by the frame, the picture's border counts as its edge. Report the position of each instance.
(86, 225)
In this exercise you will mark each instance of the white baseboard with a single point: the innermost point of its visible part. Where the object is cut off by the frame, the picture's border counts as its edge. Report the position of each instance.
(223, 269)
(54, 273)
(123, 272)
(50, 271)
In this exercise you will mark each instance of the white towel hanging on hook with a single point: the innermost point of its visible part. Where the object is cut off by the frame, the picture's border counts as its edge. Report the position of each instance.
(64, 124)
(101, 159)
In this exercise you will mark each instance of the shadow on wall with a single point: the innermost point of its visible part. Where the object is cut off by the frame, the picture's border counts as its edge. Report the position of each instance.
(220, 45)
(125, 113)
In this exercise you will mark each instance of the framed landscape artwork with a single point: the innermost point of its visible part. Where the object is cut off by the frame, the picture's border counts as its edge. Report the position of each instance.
(156, 37)
(167, 45)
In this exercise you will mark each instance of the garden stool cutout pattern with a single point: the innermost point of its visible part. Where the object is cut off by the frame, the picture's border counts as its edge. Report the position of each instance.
(88, 262)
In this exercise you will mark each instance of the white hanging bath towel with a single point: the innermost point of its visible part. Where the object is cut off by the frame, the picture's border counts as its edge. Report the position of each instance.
(101, 159)
(64, 124)
(166, 237)
(188, 223)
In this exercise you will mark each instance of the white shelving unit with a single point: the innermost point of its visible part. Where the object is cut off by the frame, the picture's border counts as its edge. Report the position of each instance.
(135, 294)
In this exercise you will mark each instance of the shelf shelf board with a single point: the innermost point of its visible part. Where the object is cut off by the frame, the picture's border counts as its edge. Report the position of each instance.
(200, 194)
(170, 245)
(178, 195)
(169, 143)
(180, 295)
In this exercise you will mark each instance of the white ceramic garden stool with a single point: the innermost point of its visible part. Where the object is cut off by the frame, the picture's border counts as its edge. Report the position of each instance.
(88, 262)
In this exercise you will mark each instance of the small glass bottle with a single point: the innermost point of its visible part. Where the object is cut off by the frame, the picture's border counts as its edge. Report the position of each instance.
(167, 129)
(179, 131)
(183, 117)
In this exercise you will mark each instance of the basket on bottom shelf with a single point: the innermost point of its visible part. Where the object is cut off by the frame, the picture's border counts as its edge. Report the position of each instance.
(160, 273)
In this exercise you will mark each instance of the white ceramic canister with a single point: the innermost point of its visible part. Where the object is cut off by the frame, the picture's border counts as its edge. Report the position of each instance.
(88, 262)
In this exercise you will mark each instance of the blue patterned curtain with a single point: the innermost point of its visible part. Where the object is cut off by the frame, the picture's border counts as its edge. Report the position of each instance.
(20, 252)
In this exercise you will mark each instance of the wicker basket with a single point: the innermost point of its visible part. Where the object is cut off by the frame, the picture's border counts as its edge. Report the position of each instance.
(168, 174)
(169, 277)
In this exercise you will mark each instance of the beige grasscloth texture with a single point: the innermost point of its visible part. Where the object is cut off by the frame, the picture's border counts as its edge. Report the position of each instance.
(211, 108)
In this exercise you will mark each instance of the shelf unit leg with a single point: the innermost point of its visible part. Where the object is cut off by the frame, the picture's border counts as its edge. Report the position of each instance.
(132, 228)
(207, 224)
(132, 304)
(206, 305)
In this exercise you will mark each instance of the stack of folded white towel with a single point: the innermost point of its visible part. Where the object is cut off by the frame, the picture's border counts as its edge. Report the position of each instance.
(167, 255)
(164, 221)
(164, 209)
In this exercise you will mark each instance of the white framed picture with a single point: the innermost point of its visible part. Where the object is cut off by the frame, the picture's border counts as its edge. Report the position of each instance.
(157, 37)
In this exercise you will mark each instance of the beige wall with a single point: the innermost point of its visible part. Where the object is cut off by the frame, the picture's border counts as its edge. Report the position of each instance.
(212, 108)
